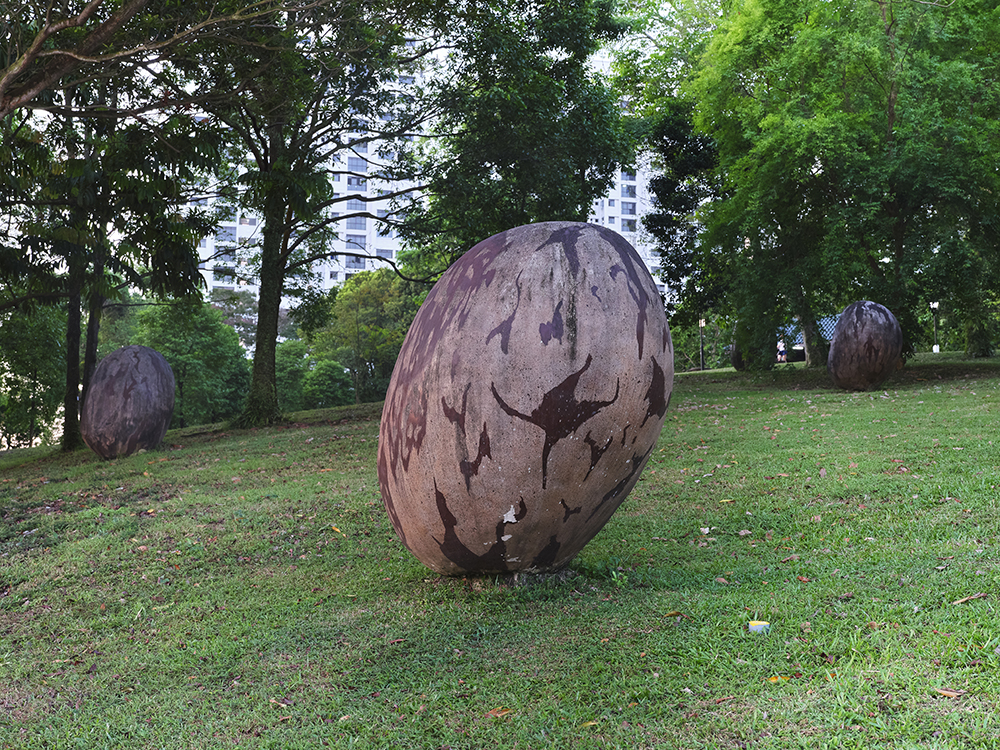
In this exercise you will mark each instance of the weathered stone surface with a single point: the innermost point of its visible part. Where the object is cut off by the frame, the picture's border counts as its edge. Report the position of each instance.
(865, 346)
(130, 402)
(527, 397)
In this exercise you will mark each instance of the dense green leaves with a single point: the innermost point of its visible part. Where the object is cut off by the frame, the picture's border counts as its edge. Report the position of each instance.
(527, 131)
(32, 369)
(371, 315)
(857, 148)
(211, 372)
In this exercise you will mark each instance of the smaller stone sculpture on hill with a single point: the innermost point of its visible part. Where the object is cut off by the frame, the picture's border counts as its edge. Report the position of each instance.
(865, 348)
(129, 404)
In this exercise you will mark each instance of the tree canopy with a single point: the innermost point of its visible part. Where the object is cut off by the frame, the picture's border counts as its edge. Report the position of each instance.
(857, 150)
(526, 131)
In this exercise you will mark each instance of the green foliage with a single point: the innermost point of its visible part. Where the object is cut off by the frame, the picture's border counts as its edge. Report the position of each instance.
(327, 384)
(291, 363)
(32, 375)
(851, 164)
(529, 132)
(210, 369)
(715, 339)
(371, 315)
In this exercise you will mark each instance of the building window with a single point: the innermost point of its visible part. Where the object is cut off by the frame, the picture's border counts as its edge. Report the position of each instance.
(223, 274)
(203, 243)
(357, 164)
(356, 205)
(384, 253)
(357, 263)
(611, 220)
(356, 182)
(628, 208)
(383, 213)
(248, 221)
(356, 241)
(628, 175)
(226, 257)
(628, 191)
(334, 275)
(611, 202)
(628, 225)
(226, 234)
(357, 222)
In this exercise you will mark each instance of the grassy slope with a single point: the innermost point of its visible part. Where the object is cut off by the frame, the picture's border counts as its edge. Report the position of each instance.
(245, 588)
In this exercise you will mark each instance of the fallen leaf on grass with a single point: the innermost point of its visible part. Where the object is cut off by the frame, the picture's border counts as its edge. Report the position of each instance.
(949, 693)
(723, 700)
(803, 579)
(498, 712)
(588, 724)
(980, 595)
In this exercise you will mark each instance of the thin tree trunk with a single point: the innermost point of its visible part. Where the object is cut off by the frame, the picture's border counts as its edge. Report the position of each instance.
(262, 399)
(72, 439)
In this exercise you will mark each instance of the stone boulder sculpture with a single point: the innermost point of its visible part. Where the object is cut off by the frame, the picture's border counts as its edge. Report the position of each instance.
(527, 398)
(865, 347)
(129, 404)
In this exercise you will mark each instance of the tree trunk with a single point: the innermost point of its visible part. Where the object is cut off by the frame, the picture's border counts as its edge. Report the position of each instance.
(90, 346)
(72, 439)
(262, 399)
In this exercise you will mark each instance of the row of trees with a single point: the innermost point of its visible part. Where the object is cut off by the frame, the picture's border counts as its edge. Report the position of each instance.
(815, 152)
(115, 114)
(364, 330)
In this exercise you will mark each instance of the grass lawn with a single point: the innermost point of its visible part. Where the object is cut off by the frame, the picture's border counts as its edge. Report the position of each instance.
(245, 588)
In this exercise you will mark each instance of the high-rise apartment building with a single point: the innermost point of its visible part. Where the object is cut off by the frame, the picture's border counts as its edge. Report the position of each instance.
(619, 210)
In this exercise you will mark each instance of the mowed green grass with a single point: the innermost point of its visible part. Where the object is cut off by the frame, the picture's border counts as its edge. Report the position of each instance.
(245, 588)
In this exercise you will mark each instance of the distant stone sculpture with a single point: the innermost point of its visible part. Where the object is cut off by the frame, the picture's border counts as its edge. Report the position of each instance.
(527, 397)
(129, 404)
(865, 347)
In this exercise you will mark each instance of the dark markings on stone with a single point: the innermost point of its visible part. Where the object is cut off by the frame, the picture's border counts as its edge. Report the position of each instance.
(470, 469)
(657, 394)
(620, 489)
(625, 434)
(560, 414)
(505, 326)
(416, 431)
(554, 329)
(635, 273)
(447, 308)
(568, 511)
(593, 292)
(494, 559)
(547, 556)
(454, 416)
(596, 451)
(566, 238)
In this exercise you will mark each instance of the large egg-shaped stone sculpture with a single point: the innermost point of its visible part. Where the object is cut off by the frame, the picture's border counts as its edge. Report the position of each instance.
(527, 397)
(865, 346)
(129, 403)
